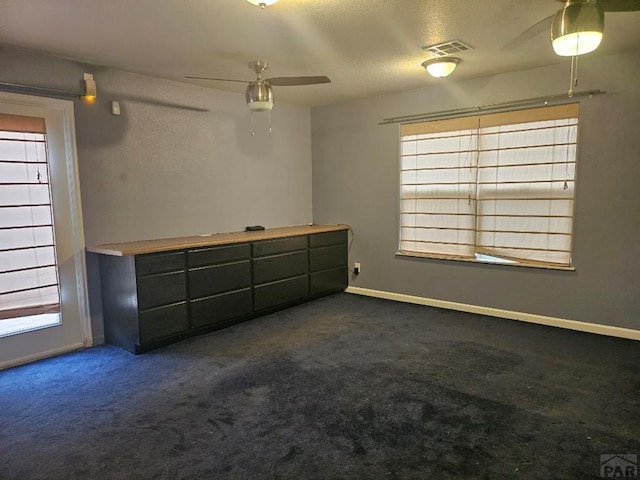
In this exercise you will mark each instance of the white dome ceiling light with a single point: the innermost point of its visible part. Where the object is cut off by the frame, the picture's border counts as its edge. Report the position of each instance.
(441, 67)
(262, 3)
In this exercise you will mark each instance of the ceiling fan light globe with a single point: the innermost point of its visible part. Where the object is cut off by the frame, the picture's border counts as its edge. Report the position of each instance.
(574, 44)
(577, 29)
(260, 106)
(441, 67)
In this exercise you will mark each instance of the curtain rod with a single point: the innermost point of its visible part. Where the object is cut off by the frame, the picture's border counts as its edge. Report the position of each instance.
(491, 107)
(12, 87)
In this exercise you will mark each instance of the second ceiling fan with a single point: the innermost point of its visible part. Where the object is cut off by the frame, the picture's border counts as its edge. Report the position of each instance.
(259, 94)
(577, 28)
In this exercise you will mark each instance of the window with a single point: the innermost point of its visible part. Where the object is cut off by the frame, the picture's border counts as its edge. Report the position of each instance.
(496, 187)
(28, 270)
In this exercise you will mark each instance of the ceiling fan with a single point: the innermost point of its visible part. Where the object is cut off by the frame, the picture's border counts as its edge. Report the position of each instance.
(259, 93)
(577, 28)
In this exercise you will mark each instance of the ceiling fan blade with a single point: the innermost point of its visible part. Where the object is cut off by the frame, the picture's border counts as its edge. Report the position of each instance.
(530, 33)
(219, 79)
(293, 81)
(619, 5)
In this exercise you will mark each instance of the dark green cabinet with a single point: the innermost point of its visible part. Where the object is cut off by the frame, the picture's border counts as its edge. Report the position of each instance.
(144, 298)
(219, 285)
(161, 289)
(328, 269)
(220, 310)
(280, 245)
(154, 299)
(214, 279)
(158, 323)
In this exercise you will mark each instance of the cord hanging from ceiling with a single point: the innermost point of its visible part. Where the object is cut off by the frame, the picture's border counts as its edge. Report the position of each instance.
(574, 75)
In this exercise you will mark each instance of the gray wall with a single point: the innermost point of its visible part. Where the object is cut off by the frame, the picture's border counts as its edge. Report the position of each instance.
(355, 180)
(179, 160)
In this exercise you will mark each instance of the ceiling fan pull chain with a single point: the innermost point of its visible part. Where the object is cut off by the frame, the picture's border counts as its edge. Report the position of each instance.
(270, 129)
(574, 74)
(253, 133)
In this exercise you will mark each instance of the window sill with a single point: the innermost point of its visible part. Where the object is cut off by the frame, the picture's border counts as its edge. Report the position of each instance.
(434, 256)
(16, 326)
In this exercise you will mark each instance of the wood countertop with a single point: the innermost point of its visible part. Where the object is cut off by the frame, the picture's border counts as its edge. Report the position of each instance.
(195, 241)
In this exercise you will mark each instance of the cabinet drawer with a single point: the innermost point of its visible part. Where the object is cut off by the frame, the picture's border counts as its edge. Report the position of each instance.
(329, 280)
(327, 238)
(280, 293)
(155, 263)
(211, 256)
(280, 245)
(163, 322)
(221, 308)
(327, 257)
(277, 267)
(161, 289)
(206, 281)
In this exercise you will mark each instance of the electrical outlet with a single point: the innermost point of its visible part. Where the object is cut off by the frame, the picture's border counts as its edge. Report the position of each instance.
(356, 268)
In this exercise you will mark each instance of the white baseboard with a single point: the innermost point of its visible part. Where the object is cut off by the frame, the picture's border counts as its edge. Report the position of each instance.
(508, 314)
(41, 355)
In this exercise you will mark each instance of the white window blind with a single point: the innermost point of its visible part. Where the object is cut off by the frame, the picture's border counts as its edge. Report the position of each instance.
(28, 271)
(498, 185)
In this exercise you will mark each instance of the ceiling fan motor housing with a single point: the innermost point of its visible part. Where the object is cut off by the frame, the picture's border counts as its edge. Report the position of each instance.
(259, 96)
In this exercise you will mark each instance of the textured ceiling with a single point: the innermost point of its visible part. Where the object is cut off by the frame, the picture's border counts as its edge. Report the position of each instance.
(367, 47)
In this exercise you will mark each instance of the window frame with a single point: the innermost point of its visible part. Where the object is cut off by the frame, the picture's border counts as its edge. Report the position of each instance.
(479, 257)
(18, 129)
(75, 331)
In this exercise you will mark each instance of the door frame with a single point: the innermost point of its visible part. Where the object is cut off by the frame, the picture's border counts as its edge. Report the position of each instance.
(60, 120)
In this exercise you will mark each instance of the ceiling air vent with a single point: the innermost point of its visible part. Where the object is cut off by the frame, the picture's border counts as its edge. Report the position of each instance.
(447, 48)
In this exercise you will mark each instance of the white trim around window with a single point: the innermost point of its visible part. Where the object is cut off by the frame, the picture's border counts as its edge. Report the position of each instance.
(496, 188)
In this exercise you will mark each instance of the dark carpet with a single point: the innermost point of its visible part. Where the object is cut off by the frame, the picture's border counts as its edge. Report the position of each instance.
(345, 387)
